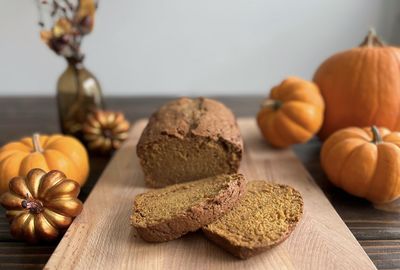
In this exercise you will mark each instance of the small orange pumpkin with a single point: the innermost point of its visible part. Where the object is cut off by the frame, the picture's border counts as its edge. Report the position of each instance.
(41, 205)
(292, 114)
(364, 162)
(361, 87)
(54, 152)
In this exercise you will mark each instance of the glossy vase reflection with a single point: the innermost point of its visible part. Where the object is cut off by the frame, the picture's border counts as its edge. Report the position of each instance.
(78, 93)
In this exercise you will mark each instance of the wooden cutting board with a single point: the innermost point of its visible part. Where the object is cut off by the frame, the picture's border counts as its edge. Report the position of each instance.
(102, 238)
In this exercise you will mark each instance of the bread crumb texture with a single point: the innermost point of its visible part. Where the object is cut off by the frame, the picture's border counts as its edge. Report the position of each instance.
(265, 216)
(167, 213)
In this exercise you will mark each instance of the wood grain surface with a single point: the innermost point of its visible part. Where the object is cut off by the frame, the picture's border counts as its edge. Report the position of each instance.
(378, 232)
(101, 237)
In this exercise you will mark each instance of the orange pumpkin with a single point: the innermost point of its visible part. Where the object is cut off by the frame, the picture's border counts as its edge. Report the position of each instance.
(292, 114)
(364, 162)
(361, 87)
(54, 152)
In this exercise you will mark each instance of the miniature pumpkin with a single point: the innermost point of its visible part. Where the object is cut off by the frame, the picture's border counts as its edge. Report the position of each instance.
(292, 114)
(54, 152)
(105, 131)
(361, 87)
(364, 162)
(41, 205)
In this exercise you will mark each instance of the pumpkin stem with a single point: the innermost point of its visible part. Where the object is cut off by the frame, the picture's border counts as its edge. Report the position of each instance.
(34, 206)
(372, 40)
(377, 138)
(271, 103)
(36, 143)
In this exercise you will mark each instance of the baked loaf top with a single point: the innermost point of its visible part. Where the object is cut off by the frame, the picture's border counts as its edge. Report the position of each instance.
(265, 216)
(168, 213)
(200, 117)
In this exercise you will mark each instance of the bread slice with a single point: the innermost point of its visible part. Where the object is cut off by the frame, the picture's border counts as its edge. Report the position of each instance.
(264, 217)
(168, 213)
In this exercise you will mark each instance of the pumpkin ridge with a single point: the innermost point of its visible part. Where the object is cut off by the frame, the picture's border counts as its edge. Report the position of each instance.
(50, 140)
(14, 224)
(327, 157)
(38, 227)
(284, 137)
(349, 156)
(3, 168)
(370, 196)
(70, 158)
(396, 122)
(25, 226)
(58, 197)
(340, 178)
(58, 211)
(25, 142)
(11, 152)
(358, 80)
(397, 187)
(49, 211)
(66, 158)
(301, 125)
(3, 164)
(43, 193)
(378, 97)
(281, 142)
(24, 160)
(289, 119)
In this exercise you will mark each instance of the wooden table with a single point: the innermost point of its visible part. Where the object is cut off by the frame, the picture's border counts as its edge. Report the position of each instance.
(377, 231)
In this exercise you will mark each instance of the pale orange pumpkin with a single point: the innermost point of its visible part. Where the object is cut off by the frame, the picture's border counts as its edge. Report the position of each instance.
(361, 87)
(292, 114)
(56, 152)
(364, 162)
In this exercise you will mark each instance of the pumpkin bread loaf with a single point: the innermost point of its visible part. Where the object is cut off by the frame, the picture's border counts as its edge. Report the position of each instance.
(264, 217)
(189, 139)
(168, 213)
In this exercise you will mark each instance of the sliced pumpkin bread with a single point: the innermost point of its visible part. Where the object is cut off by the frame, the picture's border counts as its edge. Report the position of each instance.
(265, 216)
(168, 213)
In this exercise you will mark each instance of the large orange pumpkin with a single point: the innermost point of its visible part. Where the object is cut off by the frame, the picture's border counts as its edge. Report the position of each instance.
(364, 162)
(292, 114)
(361, 87)
(54, 152)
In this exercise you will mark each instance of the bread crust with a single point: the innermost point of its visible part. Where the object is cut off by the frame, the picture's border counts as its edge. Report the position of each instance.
(244, 251)
(190, 119)
(194, 217)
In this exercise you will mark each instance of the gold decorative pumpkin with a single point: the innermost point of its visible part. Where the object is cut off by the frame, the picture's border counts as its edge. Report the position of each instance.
(361, 87)
(54, 152)
(41, 205)
(292, 114)
(105, 131)
(364, 162)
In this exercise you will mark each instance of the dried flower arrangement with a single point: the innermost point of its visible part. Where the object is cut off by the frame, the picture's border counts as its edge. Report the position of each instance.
(63, 24)
(68, 21)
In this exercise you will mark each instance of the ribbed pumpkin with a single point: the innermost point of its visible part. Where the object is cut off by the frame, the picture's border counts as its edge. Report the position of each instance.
(364, 162)
(361, 87)
(41, 205)
(54, 152)
(292, 114)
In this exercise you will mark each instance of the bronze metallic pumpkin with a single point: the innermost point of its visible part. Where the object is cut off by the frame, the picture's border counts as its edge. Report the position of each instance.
(105, 131)
(41, 205)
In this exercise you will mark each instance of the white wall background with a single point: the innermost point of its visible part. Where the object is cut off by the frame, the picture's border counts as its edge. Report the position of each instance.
(191, 47)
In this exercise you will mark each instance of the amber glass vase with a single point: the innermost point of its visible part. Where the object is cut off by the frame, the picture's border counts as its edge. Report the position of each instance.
(78, 94)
